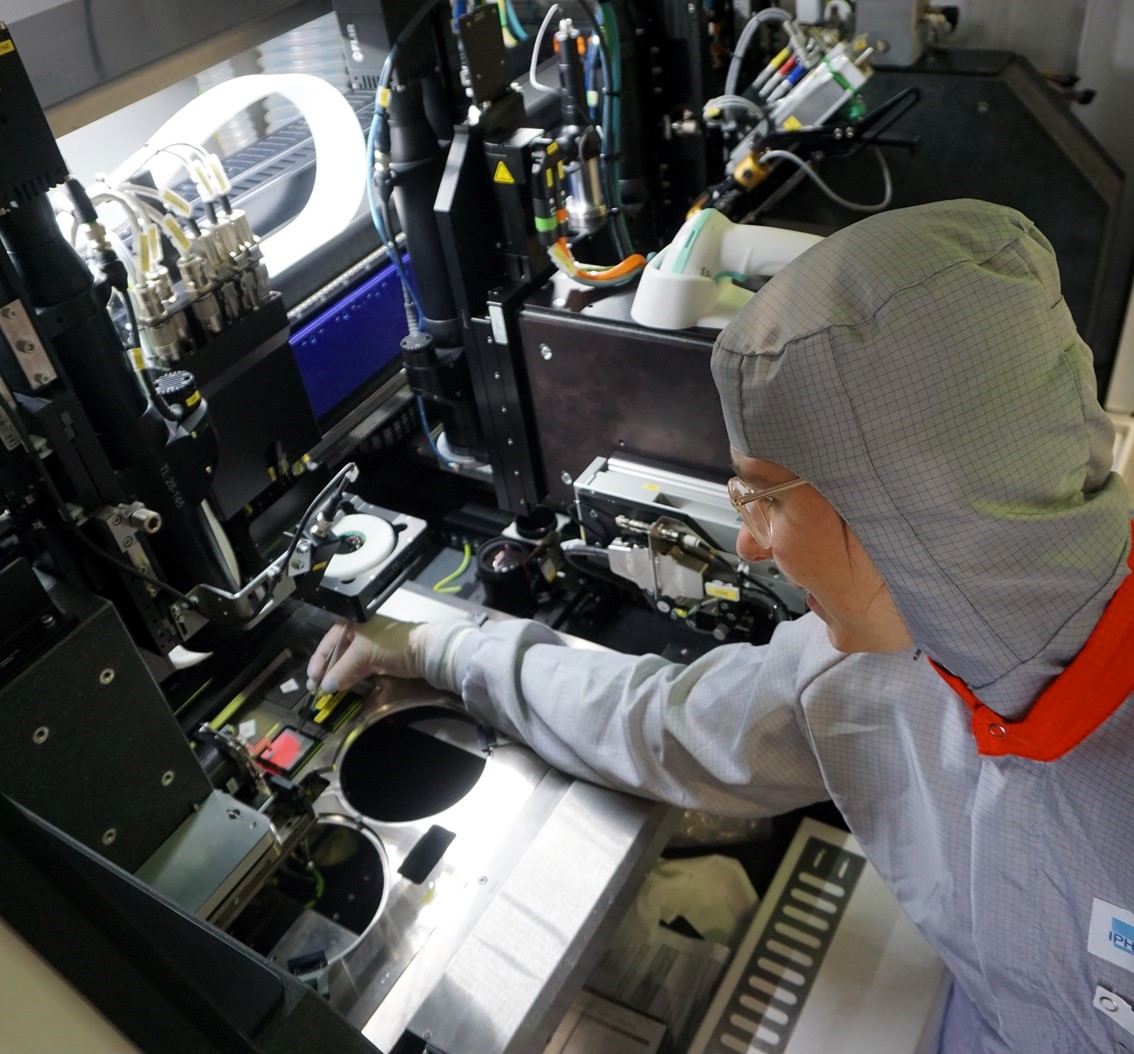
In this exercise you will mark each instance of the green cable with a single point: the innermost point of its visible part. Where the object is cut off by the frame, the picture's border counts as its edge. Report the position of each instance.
(504, 29)
(612, 38)
(443, 586)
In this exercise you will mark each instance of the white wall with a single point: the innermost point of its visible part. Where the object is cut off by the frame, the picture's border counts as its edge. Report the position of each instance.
(1106, 61)
(1046, 31)
(1094, 39)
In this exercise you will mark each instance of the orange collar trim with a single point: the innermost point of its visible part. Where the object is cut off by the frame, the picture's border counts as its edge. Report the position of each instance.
(1079, 700)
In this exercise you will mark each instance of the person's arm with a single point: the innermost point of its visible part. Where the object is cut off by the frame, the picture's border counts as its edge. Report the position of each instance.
(723, 735)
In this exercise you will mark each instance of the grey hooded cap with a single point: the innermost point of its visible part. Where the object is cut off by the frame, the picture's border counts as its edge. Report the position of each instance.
(922, 371)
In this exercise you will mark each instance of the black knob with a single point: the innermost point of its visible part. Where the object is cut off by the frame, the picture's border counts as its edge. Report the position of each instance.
(178, 387)
(418, 349)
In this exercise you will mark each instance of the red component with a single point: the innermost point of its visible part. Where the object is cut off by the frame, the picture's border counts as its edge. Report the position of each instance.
(284, 752)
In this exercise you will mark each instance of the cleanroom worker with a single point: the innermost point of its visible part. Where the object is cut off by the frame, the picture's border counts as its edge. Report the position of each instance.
(919, 446)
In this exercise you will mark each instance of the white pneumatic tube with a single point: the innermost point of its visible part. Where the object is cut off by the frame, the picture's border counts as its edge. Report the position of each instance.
(340, 155)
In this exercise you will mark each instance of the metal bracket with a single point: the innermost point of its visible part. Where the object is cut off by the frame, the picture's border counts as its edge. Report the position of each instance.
(29, 353)
(125, 522)
(268, 588)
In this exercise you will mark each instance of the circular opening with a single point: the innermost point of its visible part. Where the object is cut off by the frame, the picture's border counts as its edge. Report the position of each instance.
(502, 568)
(412, 764)
(502, 557)
(321, 899)
(369, 541)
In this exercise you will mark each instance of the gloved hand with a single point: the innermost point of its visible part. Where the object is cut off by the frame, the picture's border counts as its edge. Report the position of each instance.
(381, 645)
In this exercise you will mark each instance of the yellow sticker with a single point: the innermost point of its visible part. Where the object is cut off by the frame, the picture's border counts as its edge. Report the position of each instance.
(6, 46)
(792, 124)
(650, 486)
(722, 592)
(193, 399)
(502, 175)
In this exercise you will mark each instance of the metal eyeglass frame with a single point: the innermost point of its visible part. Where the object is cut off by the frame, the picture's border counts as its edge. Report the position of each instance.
(754, 516)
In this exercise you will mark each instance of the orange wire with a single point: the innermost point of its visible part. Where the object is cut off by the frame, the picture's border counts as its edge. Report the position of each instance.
(618, 270)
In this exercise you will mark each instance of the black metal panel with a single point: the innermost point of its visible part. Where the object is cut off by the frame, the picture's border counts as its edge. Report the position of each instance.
(509, 166)
(38, 165)
(601, 386)
(467, 215)
(485, 55)
(256, 400)
(87, 741)
(26, 618)
(516, 470)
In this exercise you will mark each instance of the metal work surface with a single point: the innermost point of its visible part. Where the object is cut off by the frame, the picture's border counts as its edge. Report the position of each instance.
(477, 826)
(526, 916)
(452, 883)
(516, 973)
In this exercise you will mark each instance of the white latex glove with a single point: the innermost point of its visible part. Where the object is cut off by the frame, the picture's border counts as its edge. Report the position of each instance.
(381, 645)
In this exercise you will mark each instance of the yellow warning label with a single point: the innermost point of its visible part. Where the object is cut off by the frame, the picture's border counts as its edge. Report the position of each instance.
(6, 46)
(502, 175)
(792, 124)
(722, 591)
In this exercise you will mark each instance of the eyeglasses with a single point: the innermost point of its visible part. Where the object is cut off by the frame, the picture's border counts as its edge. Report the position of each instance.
(750, 504)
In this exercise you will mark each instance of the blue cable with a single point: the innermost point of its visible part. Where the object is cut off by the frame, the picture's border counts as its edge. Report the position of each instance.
(513, 21)
(376, 217)
(375, 212)
(428, 434)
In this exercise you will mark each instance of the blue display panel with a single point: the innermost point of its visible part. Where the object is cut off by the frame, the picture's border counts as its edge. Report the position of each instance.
(346, 350)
